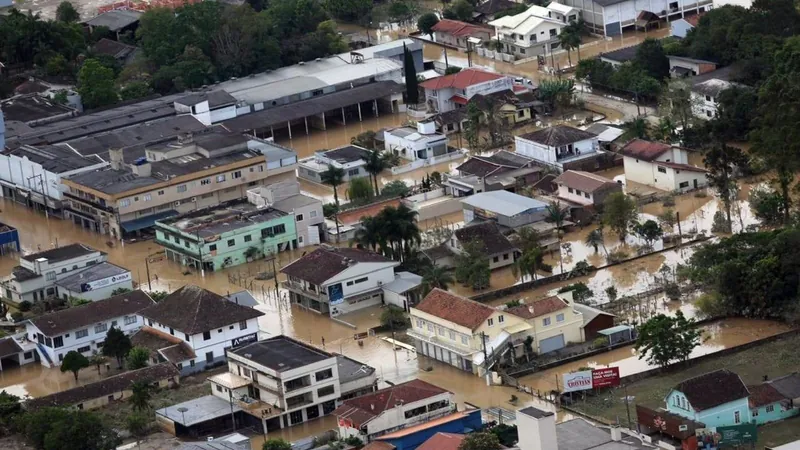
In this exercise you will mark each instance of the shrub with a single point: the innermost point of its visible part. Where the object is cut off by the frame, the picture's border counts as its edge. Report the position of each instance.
(600, 342)
(25, 306)
(617, 256)
(673, 291)
(513, 303)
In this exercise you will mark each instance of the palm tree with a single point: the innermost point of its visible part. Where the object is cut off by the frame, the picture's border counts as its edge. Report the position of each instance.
(334, 177)
(570, 39)
(527, 238)
(528, 263)
(436, 277)
(594, 239)
(375, 164)
(635, 129)
(369, 234)
(557, 215)
(140, 395)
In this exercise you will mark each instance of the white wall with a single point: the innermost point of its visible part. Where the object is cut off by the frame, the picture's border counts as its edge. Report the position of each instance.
(574, 196)
(704, 107)
(394, 418)
(96, 294)
(669, 179)
(547, 154)
(19, 171)
(377, 274)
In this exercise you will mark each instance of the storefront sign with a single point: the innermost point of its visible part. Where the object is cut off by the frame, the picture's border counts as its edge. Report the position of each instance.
(713, 438)
(578, 381)
(244, 340)
(607, 377)
(116, 279)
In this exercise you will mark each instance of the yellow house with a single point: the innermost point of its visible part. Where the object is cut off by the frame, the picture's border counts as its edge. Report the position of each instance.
(554, 322)
(462, 332)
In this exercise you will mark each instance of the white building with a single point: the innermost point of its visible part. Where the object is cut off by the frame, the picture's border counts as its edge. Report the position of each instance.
(705, 97)
(611, 17)
(32, 175)
(208, 107)
(558, 146)
(83, 328)
(585, 188)
(534, 31)
(36, 276)
(538, 430)
(336, 281)
(284, 382)
(661, 166)
(207, 323)
(350, 158)
(285, 196)
(449, 92)
(394, 408)
(412, 144)
(95, 283)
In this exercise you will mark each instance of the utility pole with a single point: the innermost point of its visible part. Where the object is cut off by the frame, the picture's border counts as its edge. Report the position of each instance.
(627, 405)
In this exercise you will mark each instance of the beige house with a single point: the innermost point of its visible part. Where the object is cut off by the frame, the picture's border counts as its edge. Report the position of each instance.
(456, 330)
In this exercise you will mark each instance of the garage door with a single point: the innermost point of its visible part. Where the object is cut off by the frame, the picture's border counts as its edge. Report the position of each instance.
(551, 344)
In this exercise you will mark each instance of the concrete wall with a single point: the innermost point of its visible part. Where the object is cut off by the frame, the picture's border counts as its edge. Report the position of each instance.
(547, 155)
(96, 294)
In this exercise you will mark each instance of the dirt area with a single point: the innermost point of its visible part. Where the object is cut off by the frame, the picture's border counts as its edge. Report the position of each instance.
(773, 359)
(779, 433)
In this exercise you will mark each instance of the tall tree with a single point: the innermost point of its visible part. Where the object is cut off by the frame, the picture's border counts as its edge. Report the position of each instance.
(436, 277)
(375, 164)
(334, 177)
(360, 190)
(276, 444)
(721, 161)
(116, 345)
(141, 394)
(66, 12)
(570, 39)
(74, 362)
(426, 22)
(595, 239)
(480, 441)
(619, 213)
(96, 85)
(664, 339)
(64, 429)
(412, 86)
(651, 58)
(472, 132)
(137, 358)
(472, 266)
(528, 263)
(138, 425)
(650, 231)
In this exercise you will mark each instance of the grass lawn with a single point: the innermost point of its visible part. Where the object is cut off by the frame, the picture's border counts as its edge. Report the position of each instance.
(773, 359)
(779, 433)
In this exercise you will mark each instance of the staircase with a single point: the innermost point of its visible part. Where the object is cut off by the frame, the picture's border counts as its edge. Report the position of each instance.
(46, 361)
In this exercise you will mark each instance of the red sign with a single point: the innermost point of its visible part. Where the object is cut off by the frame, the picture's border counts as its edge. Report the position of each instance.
(608, 377)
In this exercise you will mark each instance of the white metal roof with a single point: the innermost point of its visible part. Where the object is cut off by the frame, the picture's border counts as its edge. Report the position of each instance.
(559, 8)
(504, 203)
(527, 20)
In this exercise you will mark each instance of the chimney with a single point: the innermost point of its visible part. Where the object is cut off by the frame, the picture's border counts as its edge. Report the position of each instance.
(115, 158)
(537, 429)
(616, 434)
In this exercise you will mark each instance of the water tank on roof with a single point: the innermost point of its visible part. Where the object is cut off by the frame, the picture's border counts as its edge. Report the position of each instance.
(140, 161)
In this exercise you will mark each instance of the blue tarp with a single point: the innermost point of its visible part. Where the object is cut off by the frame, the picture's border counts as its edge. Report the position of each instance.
(147, 222)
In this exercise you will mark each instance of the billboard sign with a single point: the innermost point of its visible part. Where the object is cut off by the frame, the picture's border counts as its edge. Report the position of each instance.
(714, 438)
(335, 293)
(578, 381)
(246, 339)
(606, 377)
(116, 279)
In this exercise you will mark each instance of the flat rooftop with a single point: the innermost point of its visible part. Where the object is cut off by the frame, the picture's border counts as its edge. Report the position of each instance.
(222, 219)
(32, 107)
(198, 410)
(351, 370)
(54, 158)
(281, 353)
(413, 135)
(93, 273)
(346, 154)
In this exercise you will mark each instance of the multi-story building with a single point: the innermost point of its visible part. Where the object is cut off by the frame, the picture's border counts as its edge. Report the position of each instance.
(534, 31)
(208, 323)
(36, 276)
(283, 382)
(394, 408)
(487, 236)
(83, 328)
(227, 235)
(95, 282)
(611, 17)
(336, 281)
(173, 177)
(560, 147)
(585, 188)
(307, 211)
(350, 158)
(661, 166)
(449, 92)
(456, 33)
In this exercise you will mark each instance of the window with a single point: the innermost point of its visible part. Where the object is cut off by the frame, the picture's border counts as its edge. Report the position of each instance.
(685, 184)
(737, 417)
(323, 374)
(430, 327)
(501, 318)
(172, 331)
(279, 229)
(219, 388)
(313, 214)
(662, 170)
(586, 194)
(206, 335)
(708, 98)
(420, 323)
(212, 248)
(85, 349)
(326, 391)
(220, 178)
(130, 320)
(770, 408)
(452, 335)
(124, 202)
(181, 188)
(755, 412)
(496, 259)
(58, 342)
(248, 238)
(205, 181)
(243, 325)
(191, 363)
(161, 192)
(209, 357)
(101, 328)
(352, 172)
(546, 321)
(236, 175)
(505, 256)
(231, 242)
(560, 317)
(148, 197)
(579, 192)
(186, 337)
(465, 339)
(441, 331)
(490, 322)
(51, 276)
(299, 217)
(27, 355)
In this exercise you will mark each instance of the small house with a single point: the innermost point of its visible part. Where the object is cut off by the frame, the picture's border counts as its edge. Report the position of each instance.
(455, 33)
(717, 399)
(497, 248)
(561, 147)
(661, 166)
(681, 66)
(585, 188)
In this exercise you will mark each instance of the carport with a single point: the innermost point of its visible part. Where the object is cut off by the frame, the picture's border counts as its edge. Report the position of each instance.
(10, 353)
(617, 334)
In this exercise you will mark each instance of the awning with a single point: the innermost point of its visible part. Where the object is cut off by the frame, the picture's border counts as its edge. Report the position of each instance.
(146, 222)
(459, 99)
(615, 330)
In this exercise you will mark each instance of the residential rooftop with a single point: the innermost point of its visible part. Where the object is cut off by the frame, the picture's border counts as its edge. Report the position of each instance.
(461, 80)
(558, 136)
(171, 348)
(324, 263)
(92, 273)
(62, 253)
(622, 55)
(293, 202)
(223, 218)
(350, 369)
(488, 237)
(281, 353)
(538, 308)
(712, 389)
(504, 203)
(413, 135)
(31, 108)
(346, 154)
(54, 158)
(115, 20)
(645, 150)
(59, 322)
(362, 409)
(112, 48)
(216, 99)
(454, 308)
(584, 181)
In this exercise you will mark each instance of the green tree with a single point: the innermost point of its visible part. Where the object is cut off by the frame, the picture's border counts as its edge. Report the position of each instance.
(736, 113)
(676, 103)
(472, 266)
(57, 65)
(434, 277)
(396, 188)
(556, 93)
(62, 429)
(137, 358)
(594, 239)
(134, 90)
(360, 190)
(117, 345)
(570, 39)
(74, 362)
(651, 58)
(668, 220)
(472, 132)
(664, 339)
(721, 161)
(366, 140)
(635, 129)
(96, 85)
(594, 72)
(480, 441)
(157, 296)
(451, 70)
(611, 293)
(619, 213)
(507, 434)
(141, 394)
(394, 318)
(426, 22)
(580, 292)
(97, 360)
(66, 12)
(767, 205)
(528, 263)
(276, 444)
(650, 231)
(334, 177)
(138, 425)
(375, 164)
(120, 291)
(349, 10)
(412, 86)
(462, 9)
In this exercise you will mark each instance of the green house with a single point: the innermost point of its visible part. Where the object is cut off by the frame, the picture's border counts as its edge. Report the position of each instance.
(226, 235)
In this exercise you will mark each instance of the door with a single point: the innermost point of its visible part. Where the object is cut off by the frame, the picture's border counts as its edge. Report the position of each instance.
(695, 183)
(551, 344)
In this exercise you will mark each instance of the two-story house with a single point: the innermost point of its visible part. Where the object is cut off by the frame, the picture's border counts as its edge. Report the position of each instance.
(585, 188)
(449, 92)
(394, 408)
(420, 143)
(36, 276)
(534, 31)
(487, 236)
(336, 281)
(455, 33)
(83, 328)
(717, 399)
(561, 147)
(705, 96)
(283, 382)
(350, 158)
(661, 166)
(503, 170)
(555, 322)
(207, 322)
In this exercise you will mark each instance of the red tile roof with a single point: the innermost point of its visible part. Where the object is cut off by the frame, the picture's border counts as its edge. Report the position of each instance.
(378, 445)
(460, 99)
(360, 410)
(461, 80)
(457, 28)
(693, 20)
(584, 181)
(539, 308)
(453, 308)
(763, 394)
(645, 150)
(442, 441)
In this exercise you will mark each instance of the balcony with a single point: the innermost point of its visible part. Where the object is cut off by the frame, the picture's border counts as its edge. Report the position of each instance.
(428, 416)
(94, 204)
(298, 288)
(257, 408)
(441, 342)
(300, 400)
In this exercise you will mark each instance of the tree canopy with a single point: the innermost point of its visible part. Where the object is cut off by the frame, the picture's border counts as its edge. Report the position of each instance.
(665, 339)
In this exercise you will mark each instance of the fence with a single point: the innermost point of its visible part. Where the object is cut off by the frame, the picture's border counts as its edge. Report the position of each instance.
(458, 153)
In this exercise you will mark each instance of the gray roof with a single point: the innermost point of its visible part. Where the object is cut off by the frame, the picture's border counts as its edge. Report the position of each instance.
(535, 412)
(316, 105)
(350, 369)
(294, 202)
(558, 135)
(16, 128)
(589, 313)
(690, 60)
(727, 73)
(403, 282)
(112, 181)
(223, 218)
(346, 154)
(244, 298)
(32, 107)
(215, 99)
(115, 20)
(220, 140)
(59, 322)
(61, 253)
(92, 273)
(622, 55)
(605, 3)
(504, 203)
(578, 434)
(281, 353)
(788, 385)
(54, 158)
(713, 87)
(198, 410)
